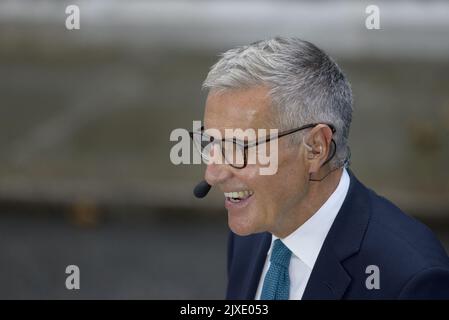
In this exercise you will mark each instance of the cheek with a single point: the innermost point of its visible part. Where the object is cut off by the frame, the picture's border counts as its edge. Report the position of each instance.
(293, 171)
(280, 191)
(272, 193)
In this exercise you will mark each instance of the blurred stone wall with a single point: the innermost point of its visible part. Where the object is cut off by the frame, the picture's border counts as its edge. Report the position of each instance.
(86, 114)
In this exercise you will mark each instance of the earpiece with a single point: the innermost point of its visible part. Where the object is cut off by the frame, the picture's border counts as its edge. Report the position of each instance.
(309, 148)
(312, 154)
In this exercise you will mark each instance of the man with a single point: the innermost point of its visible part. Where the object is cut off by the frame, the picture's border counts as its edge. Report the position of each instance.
(311, 230)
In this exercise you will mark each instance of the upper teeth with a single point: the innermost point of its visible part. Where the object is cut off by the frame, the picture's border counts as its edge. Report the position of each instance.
(238, 194)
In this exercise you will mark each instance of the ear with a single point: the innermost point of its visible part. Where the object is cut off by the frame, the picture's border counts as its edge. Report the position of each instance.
(317, 143)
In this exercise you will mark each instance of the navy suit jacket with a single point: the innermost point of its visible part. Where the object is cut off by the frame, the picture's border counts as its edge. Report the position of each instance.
(368, 230)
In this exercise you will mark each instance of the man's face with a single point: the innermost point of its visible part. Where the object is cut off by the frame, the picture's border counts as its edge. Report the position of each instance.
(272, 198)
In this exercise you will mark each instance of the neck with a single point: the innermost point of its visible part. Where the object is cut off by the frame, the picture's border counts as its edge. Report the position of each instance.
(316, 195)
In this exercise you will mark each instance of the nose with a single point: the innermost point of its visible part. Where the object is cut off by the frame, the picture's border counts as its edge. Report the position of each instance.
(217, 173)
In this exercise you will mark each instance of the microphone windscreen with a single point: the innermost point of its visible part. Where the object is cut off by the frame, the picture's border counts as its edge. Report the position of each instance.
(201, 189)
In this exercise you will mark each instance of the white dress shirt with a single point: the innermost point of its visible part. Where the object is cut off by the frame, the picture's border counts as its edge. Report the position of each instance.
(305, 242)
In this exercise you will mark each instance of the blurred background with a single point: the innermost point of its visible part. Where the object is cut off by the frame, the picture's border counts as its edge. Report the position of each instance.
(86, 115)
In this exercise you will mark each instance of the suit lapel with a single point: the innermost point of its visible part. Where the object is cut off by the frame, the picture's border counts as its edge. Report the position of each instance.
(329, 279)
(256, 266)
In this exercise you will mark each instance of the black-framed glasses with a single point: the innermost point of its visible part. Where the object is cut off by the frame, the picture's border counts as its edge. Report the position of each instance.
(235, 152)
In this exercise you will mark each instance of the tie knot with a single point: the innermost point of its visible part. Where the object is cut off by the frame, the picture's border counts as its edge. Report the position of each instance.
(280, 254)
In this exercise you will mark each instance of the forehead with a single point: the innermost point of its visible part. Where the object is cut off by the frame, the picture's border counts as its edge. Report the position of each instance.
(239, 108)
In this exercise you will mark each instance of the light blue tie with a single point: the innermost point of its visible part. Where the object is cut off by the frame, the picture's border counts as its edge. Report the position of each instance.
(276, 285)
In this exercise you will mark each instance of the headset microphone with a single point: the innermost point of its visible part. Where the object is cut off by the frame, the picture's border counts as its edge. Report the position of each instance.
(202, 189)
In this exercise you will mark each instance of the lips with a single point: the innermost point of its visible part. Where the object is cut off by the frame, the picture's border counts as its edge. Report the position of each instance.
(237, 199)
(237, 196)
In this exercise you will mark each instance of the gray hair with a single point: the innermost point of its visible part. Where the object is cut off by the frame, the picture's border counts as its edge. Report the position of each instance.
(306, 85)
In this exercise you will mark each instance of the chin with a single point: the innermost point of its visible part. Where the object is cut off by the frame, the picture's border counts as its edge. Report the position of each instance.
(243, 226)
(239, 228)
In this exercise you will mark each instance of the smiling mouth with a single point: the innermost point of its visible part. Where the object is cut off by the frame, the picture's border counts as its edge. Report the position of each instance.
(238, 196)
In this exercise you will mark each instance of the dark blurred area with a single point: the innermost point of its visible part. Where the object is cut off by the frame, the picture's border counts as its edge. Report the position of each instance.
(86, 115)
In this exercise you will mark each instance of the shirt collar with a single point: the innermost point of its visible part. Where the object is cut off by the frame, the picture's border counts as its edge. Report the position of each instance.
(306, 241)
